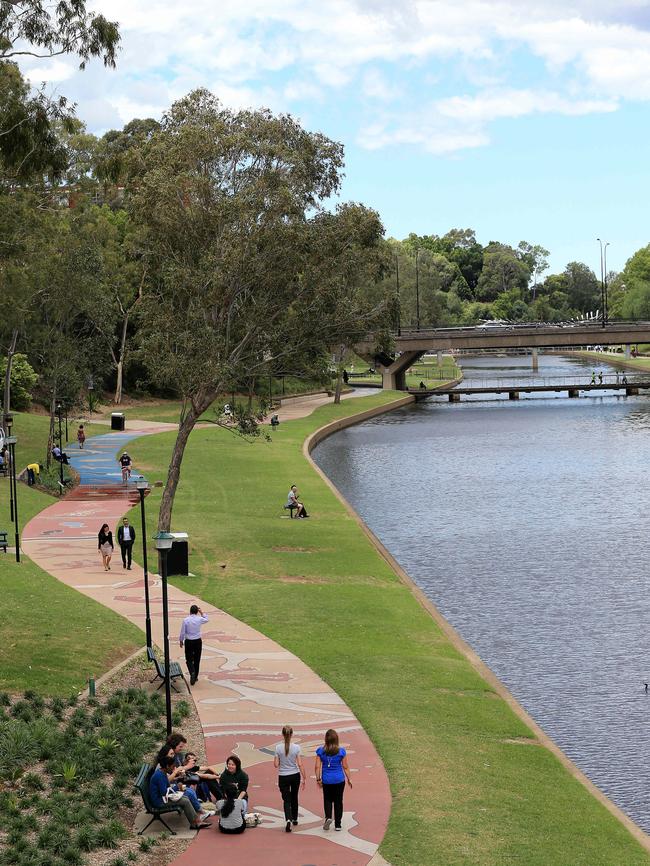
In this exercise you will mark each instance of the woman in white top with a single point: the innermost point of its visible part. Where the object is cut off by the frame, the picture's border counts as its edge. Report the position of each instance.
(289, 764)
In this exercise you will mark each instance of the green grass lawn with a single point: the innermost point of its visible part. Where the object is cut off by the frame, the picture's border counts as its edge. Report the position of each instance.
(640, 364)
(51, 637)
(469, 786)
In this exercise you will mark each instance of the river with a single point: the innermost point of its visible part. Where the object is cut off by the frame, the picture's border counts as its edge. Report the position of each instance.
(525, 523)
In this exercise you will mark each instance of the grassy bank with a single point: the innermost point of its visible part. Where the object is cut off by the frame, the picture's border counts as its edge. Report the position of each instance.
(619, 360)
(51, 637)
(471, 787)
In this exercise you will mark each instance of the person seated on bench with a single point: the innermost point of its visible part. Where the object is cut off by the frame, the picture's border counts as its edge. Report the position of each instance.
(292, 502)
(208, 783)
(158, 787)
(59, 456)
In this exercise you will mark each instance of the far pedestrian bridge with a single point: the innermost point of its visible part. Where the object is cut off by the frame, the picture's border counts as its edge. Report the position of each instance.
(572, 385)
(410, 345)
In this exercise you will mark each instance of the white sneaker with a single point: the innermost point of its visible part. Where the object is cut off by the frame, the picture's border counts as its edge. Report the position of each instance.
(327, 823)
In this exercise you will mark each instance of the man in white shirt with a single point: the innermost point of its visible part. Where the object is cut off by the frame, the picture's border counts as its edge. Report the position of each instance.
(190, 637)
(125, 538)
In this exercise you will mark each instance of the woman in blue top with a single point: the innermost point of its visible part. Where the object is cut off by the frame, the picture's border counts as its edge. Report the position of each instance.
(331, 773)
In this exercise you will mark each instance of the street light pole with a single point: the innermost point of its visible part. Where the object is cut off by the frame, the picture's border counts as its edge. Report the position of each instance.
(399, 303)
(8, 422)
(11, 442)
(603, 287)
(164, 541)
(58, 412)
(417, 288)
(142, 487)
(605, 282)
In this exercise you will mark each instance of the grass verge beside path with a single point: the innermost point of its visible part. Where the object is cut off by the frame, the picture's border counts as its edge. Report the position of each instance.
(618, 359)
(470, 785)
(51, 637)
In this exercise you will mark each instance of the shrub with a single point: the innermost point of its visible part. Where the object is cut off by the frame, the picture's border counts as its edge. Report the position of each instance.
(72, 856)
(23, 710)
(183, 709)
(5, 700)
(106, 838)
(86, 839)
(145, 844)
(33, 781)
(23, 379)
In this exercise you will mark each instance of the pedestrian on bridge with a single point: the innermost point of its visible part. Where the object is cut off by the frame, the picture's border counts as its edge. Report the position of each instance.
(600, 377)
(593, 377)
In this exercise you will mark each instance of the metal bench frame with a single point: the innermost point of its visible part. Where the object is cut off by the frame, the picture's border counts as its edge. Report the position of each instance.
(141, 784)
(175, 671)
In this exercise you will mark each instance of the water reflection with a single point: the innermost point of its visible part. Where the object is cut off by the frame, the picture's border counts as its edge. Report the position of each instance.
(525, 526)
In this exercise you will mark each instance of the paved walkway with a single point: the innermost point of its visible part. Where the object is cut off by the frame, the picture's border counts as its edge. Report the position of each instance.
(249, 685)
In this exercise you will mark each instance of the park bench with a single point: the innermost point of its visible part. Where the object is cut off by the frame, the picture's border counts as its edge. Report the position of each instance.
(291, 509)
(3, 539)
(142, 785)
(175, 671)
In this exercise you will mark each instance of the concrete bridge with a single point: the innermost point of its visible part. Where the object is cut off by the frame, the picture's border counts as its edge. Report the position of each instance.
(568, 385)
(410, 346)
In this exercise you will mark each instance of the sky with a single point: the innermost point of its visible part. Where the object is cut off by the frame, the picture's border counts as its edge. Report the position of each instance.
(522, 120)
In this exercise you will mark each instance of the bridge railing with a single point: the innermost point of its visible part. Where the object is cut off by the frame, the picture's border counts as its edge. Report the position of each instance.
(558, 381)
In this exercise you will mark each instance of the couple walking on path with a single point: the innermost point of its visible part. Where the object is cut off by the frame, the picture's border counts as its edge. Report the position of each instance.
(125, 538)
(331, 770)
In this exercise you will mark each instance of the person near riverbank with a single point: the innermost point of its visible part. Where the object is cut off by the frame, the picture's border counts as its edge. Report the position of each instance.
(81, 436)
(293, 501)
(593, 377)
(332, 772)
(125, 538)
(600, 377)
(190, 640)
(105, 545)
(234, 775)
(288, 763)
(624, 379)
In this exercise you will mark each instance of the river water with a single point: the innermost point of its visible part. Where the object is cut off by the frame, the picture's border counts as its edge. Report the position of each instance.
(525, 523)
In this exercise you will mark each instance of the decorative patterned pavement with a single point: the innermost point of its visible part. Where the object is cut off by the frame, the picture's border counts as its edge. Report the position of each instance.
(249, 686)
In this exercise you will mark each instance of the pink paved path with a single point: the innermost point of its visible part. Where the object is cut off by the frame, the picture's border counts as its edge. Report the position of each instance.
(249, 687)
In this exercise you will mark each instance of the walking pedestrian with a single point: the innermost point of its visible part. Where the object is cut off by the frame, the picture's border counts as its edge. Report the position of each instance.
(618, 377)
(190, 637)
(81, 436)
(125, 538)
(600, 377)
(593, 377)
(290, 768)
(105, 545)
(332, 771)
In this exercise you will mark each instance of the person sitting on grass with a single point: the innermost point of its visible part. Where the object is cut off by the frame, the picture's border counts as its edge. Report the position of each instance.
(232, 817)
(159, 786)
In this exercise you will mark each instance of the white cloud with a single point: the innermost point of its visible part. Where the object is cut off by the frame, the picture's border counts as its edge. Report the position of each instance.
(462, 58)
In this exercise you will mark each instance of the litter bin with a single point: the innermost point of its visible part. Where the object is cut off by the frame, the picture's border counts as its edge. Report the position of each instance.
(178, 556)
(117, 420)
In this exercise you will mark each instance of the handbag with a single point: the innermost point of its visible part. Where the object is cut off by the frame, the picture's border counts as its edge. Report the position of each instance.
(173, 796)
(252, 819)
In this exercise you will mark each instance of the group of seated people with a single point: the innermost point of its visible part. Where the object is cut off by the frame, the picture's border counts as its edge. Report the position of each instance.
(203, 790)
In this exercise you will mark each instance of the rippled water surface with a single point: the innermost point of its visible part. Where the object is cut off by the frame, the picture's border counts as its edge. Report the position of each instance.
(526, 525)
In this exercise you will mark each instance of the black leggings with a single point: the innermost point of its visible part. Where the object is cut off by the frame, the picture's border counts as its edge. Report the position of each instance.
(233, 830)
(289, 787)
(333, 796)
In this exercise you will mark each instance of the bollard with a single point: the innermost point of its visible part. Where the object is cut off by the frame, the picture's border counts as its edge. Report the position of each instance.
(91, 686)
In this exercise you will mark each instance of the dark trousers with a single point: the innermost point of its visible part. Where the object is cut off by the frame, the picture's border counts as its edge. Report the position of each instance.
(127, 548)
(31, 477)
(333, 796)
(289, 787)
(193, 656)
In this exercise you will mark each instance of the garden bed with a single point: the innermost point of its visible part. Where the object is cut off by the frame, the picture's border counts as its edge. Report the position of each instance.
(67, 767)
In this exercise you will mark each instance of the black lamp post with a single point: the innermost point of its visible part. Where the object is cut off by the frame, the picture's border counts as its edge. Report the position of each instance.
(8, 422)
(11, 442)
(417, 288)
(603, 278)
(399, 309)
(142, 487)
(58, 412)
(164, 541)
(91, 387)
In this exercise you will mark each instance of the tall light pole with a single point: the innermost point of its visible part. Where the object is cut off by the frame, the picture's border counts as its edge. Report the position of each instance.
(417, 288)
(142, 487)
(11, 442)
(58, 412)
(164, 541)
(8, 422)
(603, 284)
(399, 307)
